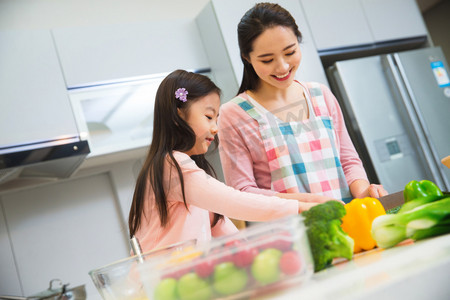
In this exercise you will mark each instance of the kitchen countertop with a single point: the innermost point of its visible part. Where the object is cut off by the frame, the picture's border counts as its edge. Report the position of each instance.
(419, 270)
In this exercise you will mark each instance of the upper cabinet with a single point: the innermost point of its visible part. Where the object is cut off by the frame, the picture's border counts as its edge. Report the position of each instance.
(350, 23)
(337, 24)
(394, 19)
(93, 55)
(218, 27)
(34, 104)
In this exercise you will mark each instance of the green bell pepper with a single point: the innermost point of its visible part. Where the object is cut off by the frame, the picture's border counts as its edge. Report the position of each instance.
(420, 193)
(425, 188)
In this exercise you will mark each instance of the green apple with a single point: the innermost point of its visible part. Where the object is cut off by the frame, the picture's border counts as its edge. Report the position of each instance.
(266, 266)
(166, 289)
(229, 279)
(192, 287)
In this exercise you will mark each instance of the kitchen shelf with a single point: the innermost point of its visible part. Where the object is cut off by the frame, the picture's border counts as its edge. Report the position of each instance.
(116, 117)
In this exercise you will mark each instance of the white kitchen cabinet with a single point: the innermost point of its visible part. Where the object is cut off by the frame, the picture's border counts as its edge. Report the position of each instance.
(64, 230)
(337, 24)
(352, 23)
(95, 55)
(394, 19)
(34, 105)
(218, 26)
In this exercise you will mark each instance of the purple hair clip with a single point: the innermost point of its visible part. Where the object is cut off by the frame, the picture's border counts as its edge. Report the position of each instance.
(181, 94)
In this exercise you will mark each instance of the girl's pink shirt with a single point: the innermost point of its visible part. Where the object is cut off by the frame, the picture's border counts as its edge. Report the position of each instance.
(204, 196)
(243, 156)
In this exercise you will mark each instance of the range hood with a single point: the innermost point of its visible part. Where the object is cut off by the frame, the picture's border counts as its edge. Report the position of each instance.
(51, 159)
(39, 137)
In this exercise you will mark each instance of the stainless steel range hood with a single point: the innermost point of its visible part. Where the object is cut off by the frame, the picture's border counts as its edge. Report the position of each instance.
(39, 136)
(51, 159)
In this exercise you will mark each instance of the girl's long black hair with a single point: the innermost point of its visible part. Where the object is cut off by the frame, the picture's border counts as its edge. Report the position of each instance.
(254, 22)
(170, 133)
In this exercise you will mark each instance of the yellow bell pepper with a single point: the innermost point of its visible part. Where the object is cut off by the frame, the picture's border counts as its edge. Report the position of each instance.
(357, 223)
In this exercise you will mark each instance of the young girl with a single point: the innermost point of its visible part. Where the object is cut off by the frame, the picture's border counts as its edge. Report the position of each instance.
(176, 198)
(281, 135)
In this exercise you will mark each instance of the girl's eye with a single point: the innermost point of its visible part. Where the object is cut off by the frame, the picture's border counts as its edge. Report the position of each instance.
(291, 53)
(209, 118)
(267, 61)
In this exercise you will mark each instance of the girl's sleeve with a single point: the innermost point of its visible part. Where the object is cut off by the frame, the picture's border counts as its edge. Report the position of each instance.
(237, 136)
(351, 163)
(206, 192)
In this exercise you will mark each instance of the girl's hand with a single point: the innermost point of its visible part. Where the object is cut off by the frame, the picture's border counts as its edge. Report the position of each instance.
(307, 198)
(303, 206)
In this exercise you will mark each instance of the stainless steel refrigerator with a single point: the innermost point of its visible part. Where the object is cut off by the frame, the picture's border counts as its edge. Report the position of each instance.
(397, 110)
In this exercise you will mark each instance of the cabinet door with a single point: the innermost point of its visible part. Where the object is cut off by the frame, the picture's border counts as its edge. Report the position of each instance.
(34, 104)
(337, 24)
(93, 55)
(394, 19)
(66, 229)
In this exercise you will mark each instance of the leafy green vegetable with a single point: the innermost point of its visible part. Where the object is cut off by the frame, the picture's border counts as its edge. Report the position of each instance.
(326, 238)
(423, 221)
(410, 205)
(394, 210)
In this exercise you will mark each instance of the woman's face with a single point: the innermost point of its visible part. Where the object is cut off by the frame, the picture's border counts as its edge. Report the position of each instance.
(276, 56)
(202, 118)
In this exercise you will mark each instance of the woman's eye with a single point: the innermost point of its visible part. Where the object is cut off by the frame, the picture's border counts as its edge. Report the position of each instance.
(209, 118)
(290, 53)
(266, 61)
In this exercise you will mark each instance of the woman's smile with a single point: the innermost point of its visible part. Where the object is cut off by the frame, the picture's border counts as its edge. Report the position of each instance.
(282, 77)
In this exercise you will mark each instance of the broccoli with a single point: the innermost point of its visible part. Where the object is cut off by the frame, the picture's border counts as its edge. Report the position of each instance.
(423, 221)
(326, 238)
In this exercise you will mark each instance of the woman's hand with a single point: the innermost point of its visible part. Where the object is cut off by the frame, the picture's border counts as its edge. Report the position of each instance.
(376, 191)
(362, 188)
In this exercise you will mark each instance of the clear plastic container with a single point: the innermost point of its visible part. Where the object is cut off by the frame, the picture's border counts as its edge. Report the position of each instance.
(121, 280)
(259, 259)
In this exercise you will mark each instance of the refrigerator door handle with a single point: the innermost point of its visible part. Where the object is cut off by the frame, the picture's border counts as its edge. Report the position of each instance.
(417, 122)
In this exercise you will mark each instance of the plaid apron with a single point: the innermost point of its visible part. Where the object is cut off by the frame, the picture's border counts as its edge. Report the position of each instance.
(303, 156)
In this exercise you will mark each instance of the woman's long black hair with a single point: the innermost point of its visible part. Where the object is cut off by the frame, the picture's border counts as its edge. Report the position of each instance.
(254, 22)
(170, 133)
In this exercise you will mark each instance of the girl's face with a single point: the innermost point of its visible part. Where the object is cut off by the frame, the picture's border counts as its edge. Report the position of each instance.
(202, 118)
(276, 56)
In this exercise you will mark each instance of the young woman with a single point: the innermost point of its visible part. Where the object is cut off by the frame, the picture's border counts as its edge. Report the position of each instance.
(176, 198)
(280, 135)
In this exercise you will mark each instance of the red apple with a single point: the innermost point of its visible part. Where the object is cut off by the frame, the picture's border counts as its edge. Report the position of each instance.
(205, 268)
(290, 263)
(244, 257)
